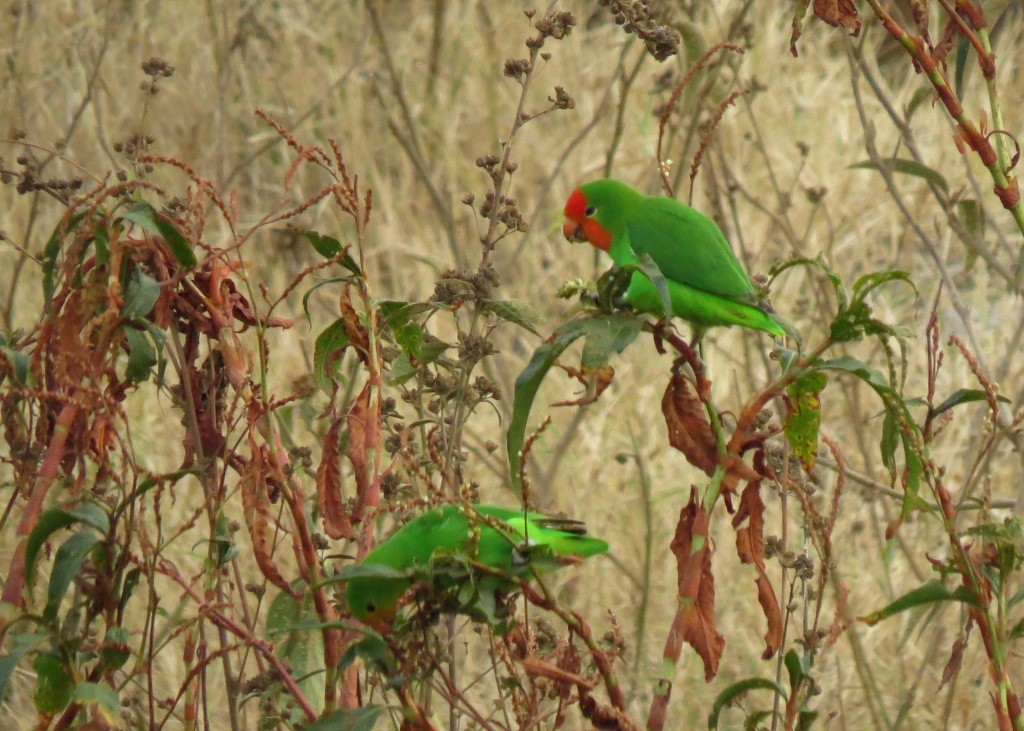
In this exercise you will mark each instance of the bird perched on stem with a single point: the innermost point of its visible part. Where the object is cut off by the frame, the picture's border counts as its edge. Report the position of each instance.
(468, 557)
(705, 283)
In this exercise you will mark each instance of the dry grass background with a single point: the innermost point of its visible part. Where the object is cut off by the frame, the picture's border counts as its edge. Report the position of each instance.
(71, 74)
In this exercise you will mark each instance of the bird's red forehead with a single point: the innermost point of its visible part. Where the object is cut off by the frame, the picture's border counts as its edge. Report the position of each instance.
(576, 206)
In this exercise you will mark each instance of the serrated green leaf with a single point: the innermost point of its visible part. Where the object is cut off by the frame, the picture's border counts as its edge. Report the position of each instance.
(734, 691)
(66, 566)
(927, 594)
(145, 216)
(907, 167)
(325, 361)
(102, 699)
(363, 718)
(518, 312)
(965, 396)
(527, 385)
(53, 683)
(143, 292)
(804, 420)
(53, 520)
(141, 355)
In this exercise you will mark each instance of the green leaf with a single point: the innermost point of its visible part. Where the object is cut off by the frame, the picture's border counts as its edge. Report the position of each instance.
(141, 355)
(606, 335)
(314, 288)
(805, 720)
(821, 265)
(102, 698)
(373, 651)
(53, 683)
(143, 292)
(325, 359)
(131, 580)
(20, 363)
(362, 571)
(518, 312)
(66, 566)
(962, 47)
(145, 216)
(303, 650)
(972, 214)
(116, 647)
(50, 253)
(804, 419)
(795, 669)
(738, 689)
(328, 247)
(927, 594)
(890, 440)
(348, 719)
(919, 97)
(527, 385)
(53, 520)
(907, 167)
(965, 396)
(17, 646)
(650, 268)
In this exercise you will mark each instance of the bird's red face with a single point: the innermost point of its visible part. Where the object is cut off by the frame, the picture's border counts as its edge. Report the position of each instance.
(580, 224)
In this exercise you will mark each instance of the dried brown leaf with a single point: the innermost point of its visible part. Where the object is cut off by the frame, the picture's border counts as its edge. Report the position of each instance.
(956, 656)
(688, 427)
(363, 437)
(354, 330)
(839, 13)
(253, 486)
(328, 485)
(750, 547)
(695, 618)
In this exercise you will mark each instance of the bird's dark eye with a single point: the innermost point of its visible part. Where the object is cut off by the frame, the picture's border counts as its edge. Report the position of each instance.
(371, 607)
(590, 211)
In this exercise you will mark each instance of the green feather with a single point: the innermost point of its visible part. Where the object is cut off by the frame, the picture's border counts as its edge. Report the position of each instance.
(520, 542)
(706, 282)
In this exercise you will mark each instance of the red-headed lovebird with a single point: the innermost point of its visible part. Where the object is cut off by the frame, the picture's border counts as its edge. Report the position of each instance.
(511, 543)
(706, 283)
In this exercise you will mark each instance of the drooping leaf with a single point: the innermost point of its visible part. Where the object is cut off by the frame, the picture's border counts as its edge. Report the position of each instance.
(804, 419)
(145, 216)
(372, 650)
(527, 385)
(737, 690)
(695, 613)
(363, 718)
(924, 595)
(799, 12)
(116, 647)
(333, 510)
(327, 351)
(819, 264)
(52, 250)
(907, 167)
(650, 268)
(606, 335)
(687, 422)
(53, 520)
(795, 669)
(142, 293)
(364, 570)
(963, 46)
(363, 422)
(518, 312)
(302, 650)
(17, 645)
(66, 566)
(21, 363)
(750, 548)
(839, 14)
(141, 355)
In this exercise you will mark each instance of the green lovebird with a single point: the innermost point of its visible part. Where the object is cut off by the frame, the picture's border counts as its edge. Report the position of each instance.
(706, 283)
(510, 543)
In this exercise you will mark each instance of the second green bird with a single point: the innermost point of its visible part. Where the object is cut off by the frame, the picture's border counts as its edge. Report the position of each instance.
(511, 543)
(706, 283)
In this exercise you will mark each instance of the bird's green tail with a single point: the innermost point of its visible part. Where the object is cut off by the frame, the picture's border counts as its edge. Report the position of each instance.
(703, 309)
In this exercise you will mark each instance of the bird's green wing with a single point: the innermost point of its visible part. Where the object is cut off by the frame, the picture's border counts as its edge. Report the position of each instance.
(688, 247)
